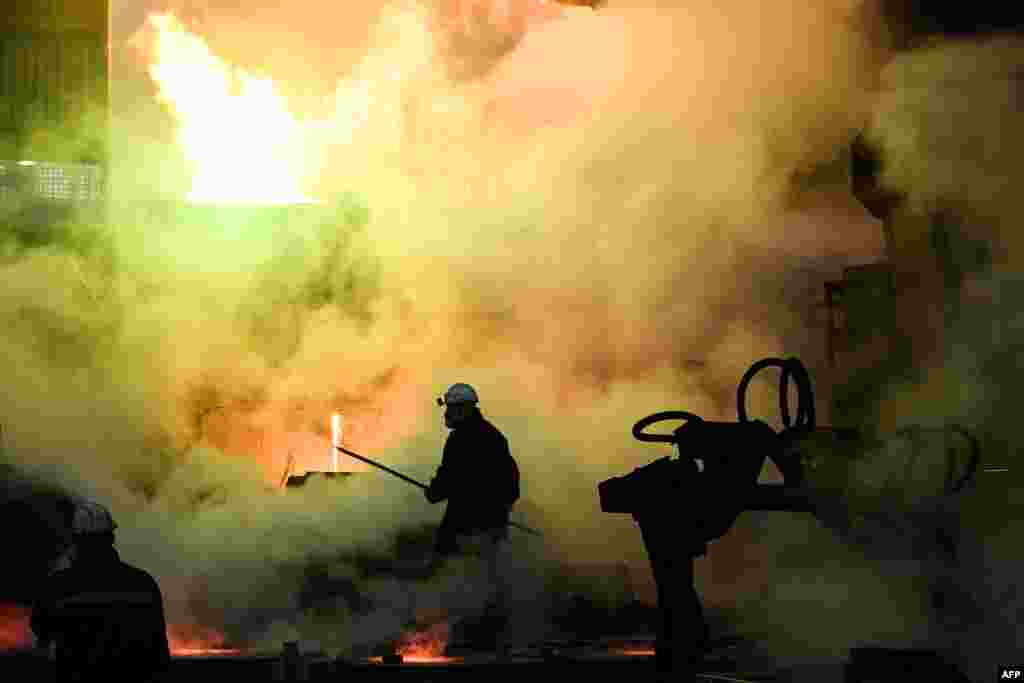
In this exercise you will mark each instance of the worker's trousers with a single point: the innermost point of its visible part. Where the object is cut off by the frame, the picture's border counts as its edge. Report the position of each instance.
(486, 548)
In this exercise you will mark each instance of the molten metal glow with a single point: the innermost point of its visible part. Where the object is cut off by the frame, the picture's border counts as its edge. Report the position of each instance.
(197, 641)
(205, 652)
(428, 659)
(15, 633)
(420, 659)
(234, 127)
(640, 647)
(426, 646)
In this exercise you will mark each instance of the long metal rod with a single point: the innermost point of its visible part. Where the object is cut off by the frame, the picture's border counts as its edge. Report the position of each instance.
(412, 481)
(382, 467)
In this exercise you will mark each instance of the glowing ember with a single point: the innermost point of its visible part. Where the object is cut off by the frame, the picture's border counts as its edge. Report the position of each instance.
(428, 659)
(205, 652)
(420, 659)
(631, 648)
(197, 641)
(234, 127)
(15, 633)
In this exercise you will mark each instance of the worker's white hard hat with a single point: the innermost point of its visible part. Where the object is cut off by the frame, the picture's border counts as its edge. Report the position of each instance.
(460, 393)
(92, 518)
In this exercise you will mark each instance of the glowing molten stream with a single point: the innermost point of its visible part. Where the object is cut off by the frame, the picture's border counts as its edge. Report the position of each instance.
(235, 128)
(197, 641)
(15, 633)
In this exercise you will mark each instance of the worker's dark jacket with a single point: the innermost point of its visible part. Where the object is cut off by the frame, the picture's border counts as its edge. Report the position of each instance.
(106, 618)
(480, 480)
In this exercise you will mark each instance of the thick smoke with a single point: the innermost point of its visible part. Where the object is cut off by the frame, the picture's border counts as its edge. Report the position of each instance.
(591, 217)
(946, 127)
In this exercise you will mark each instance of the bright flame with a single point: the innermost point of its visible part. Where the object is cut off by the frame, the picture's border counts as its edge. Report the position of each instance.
(234, 127)
(337, 427)
(15, 633)
(197, 641)
(395, 109)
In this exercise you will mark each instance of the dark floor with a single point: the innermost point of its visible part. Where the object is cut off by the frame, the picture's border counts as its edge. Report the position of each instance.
(581, 666)
(733, 661)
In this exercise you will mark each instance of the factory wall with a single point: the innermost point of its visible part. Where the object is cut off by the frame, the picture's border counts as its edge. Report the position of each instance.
(54, 76)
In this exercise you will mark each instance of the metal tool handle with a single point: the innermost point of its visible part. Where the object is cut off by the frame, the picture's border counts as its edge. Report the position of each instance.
(381, 467)
(412, 481)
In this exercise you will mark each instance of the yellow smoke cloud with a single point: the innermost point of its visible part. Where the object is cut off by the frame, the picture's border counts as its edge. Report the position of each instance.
(583, 255)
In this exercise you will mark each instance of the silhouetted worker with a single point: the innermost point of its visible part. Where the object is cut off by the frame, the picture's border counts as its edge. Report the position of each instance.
(105, 618)
(480, 480)
(478, 475)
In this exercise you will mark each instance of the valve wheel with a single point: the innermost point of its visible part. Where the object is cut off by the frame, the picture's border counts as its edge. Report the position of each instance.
(640, 435)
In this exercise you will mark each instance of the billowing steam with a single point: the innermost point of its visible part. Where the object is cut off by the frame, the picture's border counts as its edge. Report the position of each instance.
(589, 215)
(946, 127)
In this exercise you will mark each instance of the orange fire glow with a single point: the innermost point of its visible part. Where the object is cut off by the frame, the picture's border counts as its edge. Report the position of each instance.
(197, 641)
(426, 646)
(15, 633)
(632, 648)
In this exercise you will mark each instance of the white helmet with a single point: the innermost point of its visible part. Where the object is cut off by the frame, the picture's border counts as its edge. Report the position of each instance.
(92, 518)
(460, 393)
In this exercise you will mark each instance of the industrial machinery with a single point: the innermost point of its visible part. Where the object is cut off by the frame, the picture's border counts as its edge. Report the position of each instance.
(682, 503)
(710, 484)
(714, 477)
(294, 480)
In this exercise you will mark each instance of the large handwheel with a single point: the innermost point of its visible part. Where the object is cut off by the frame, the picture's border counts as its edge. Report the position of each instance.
(640, 435)
(793, 369)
